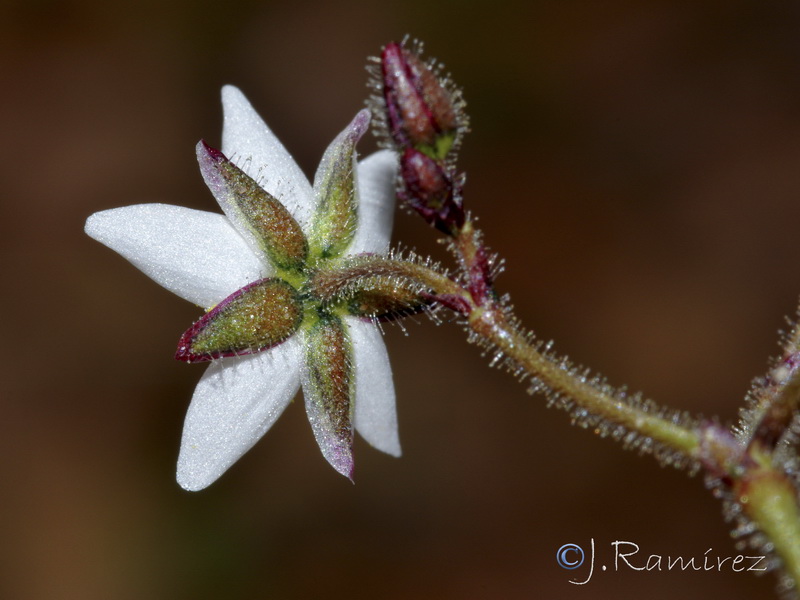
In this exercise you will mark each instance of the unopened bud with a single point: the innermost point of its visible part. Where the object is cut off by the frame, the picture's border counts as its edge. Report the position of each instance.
(431, 191)
(422, 110)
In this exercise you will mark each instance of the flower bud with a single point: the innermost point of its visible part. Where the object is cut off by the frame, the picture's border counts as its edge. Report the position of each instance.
(430, 190)
(422, 111)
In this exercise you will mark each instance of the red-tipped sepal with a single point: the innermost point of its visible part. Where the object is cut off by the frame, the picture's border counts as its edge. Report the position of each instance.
(335, 188)
(329, 390)
(258, 216)
(254, 318)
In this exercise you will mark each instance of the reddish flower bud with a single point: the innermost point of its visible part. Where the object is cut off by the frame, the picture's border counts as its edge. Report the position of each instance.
(430, 190)
(422, 109)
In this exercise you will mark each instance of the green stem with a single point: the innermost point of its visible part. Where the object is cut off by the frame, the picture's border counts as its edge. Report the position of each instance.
(769, 499)
(492, 324)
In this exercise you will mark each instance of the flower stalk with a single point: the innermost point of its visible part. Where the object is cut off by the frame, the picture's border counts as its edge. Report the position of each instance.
(768, 497)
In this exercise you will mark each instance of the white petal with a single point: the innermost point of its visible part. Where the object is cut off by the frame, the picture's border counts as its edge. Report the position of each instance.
(249, 143)
(375, 413)
(376, 185)
(197, 255)
(236, 401)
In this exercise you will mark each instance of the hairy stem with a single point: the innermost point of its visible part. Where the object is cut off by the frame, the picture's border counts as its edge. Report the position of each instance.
(768, 497)
(492, 324)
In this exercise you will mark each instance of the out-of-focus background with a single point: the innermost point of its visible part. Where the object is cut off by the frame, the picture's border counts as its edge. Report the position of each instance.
(635, 163)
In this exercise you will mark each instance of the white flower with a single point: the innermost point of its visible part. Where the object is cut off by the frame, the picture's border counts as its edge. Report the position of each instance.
(207, 258)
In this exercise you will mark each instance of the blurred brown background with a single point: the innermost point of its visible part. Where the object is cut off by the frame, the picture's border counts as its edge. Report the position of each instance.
(636, 164)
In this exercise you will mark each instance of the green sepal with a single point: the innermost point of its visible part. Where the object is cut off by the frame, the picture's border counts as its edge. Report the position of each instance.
(336, 216)
(368, 286)
(254, 318)
(260, 217)
(329, 390)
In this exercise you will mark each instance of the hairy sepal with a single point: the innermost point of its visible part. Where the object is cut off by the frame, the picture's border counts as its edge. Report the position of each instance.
(254, 318)
(370, 287)
(335, 188)
(261, 218)
(329, 390)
